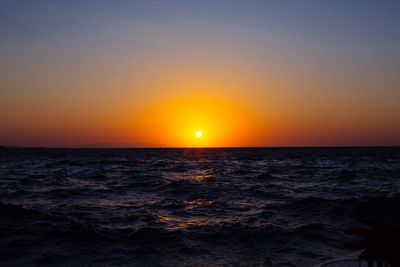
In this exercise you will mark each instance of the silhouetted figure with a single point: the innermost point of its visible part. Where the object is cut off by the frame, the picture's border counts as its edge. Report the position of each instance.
(381, 240)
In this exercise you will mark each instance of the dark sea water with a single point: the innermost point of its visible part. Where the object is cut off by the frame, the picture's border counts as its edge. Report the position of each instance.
(187, 207)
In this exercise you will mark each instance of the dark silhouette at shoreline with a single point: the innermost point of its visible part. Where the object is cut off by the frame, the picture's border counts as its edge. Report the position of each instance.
(381, 238)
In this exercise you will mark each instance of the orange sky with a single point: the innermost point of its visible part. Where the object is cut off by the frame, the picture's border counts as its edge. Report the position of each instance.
(117, 81)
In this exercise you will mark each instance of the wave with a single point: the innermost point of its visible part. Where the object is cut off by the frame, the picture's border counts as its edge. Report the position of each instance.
(217, 207)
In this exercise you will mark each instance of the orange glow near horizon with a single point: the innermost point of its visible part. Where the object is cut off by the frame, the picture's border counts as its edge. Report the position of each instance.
(176, 123)
(155, 79)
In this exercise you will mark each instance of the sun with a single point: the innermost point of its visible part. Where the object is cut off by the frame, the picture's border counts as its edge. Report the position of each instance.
(198, 134)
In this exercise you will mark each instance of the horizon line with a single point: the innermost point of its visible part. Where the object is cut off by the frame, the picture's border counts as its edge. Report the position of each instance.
(195, 147)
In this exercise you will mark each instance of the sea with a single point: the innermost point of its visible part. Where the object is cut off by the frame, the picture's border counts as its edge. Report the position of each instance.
(188, 207)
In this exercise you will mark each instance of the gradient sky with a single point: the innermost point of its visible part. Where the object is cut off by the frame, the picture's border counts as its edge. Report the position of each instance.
(246, 73)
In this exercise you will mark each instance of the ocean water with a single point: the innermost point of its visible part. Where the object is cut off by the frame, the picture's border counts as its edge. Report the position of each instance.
(187, 207)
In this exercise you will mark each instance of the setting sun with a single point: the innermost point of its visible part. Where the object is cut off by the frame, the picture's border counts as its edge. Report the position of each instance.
(198, 122)
(199, 134)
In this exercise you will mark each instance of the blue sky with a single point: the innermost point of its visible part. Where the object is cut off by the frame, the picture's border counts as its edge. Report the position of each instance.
(299, 58)
(365, 19)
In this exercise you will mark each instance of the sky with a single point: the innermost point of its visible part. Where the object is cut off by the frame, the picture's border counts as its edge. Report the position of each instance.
(244, 73)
